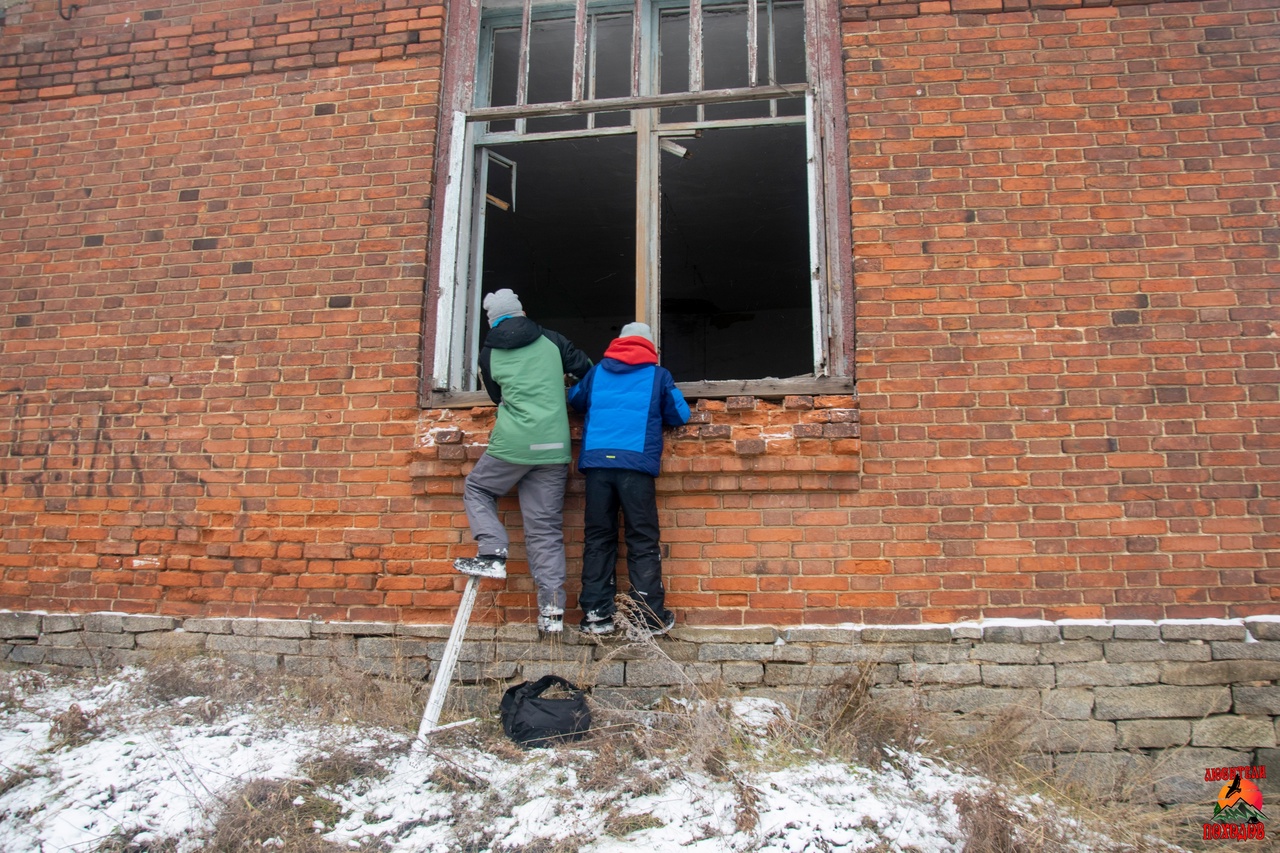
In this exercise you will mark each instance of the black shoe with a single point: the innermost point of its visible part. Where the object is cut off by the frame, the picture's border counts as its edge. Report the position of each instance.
(594, 623)
(668, 622)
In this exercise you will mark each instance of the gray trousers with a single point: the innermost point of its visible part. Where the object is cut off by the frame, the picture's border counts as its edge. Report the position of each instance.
(541, 490)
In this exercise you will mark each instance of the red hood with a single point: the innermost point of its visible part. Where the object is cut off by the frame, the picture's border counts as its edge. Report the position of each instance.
(632, 350)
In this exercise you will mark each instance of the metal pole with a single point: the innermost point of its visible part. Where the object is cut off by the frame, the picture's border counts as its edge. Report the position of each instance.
(444, 674)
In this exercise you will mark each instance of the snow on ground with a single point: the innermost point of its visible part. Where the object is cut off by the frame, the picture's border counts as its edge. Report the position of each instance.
(155, 774)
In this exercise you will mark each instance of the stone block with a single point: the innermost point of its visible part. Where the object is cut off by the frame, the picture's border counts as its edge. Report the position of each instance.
(228, 644)
(59, 623)
(906, 635)
(978, 700)
(1003, 653)
(104, 623)
(1153, 734)
(519, 633)
(1159, 701)
(808, 675)
(821, 635)
(1022, 634)
(1262, 650)
(947, 673)
(753, 652)
(475, 672)
(19, 626)
(28, 654)
(732, 636)
(1256, 701)
(1234, 732)
(405, 647)
(335, 647)
(171, 640)
(109, 640)
(1108, 775)
(999, 675)
(1203, 630)
(1106, 674)
(375, 629)
(1264, 628)
(742, 673)
(148, 624)
(627, 698)
(966, 632)
(415, 669)
(292, 629)
(1139, 652)
(207, 626)
(1071, 736)
(609, 675)
(1086, 631)
(941, 653)
(309, 667)
(655, 674)
(567, 655)
(253, 660)
(1139, 631)
(1179, 773)
(863, 653)
(1067, 703)
(1074, 651)
(1267, 758)
(1219, 672)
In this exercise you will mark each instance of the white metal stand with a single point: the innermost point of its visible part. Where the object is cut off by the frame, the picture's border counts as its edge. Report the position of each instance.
(444, 673)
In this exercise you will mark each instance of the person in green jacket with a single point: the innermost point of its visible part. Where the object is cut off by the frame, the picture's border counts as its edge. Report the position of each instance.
(523, 367)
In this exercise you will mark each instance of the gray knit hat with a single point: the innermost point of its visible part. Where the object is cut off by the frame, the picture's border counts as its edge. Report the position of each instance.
(637, 330)
(502, 303)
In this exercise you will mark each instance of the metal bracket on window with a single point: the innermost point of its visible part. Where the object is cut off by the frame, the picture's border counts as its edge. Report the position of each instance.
(66, 16)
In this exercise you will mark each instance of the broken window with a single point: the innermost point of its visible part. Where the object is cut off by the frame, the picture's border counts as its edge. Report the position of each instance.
(646, 160)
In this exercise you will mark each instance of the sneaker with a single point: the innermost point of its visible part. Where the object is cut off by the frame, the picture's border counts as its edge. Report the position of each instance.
(594, 623)
(668, 622)
(551, 620)
(483, 566)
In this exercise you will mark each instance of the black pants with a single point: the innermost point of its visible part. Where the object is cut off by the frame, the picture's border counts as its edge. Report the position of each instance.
(608, 490)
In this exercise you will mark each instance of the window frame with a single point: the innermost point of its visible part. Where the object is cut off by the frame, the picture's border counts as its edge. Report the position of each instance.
(452, 299)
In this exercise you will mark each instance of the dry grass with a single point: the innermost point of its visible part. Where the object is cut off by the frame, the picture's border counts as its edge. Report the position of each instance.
(285, 816)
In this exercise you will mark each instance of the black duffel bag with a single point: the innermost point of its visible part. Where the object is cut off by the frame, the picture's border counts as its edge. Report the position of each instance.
(531, 720)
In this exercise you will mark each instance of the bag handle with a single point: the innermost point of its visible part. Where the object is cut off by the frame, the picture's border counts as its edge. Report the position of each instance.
(545, 683)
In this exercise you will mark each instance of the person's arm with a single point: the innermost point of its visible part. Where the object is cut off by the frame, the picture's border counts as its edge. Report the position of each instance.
(675, 411)
(580, 394)
(574, 360)
(492, 387)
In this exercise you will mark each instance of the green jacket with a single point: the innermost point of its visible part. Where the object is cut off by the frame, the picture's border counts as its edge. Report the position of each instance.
(523, 367)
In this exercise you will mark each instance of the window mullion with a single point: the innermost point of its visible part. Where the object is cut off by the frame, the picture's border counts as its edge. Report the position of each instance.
(522, 74)
(753, 26)
(579, 48)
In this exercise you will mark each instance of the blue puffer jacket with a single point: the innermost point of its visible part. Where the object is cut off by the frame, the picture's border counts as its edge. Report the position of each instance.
(628, 398)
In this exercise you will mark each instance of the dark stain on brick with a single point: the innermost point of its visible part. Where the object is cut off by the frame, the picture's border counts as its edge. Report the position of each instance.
(189, 195)
(22, 321)
(326, 109)
(339, 301)
(242, 267)
(1126, 318)
(202, 243)
(93, 240)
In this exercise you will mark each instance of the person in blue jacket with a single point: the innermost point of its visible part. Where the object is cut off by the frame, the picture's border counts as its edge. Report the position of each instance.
(627, 398)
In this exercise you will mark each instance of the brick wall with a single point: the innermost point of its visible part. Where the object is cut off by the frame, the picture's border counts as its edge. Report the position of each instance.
(215, 220)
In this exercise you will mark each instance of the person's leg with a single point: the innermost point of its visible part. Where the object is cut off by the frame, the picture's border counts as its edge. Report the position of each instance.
(599, 546)
(542, 506)
(489, 480)
(639, 501)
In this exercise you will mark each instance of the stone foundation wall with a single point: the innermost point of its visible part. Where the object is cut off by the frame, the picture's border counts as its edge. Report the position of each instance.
(1142, 706)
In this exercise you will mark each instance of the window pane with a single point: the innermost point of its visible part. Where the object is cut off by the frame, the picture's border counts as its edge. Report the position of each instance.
(568, 249)
(735, 256)
(724, 47)
(788, 42)
(551, 73)
(613, 56)
(673, 67)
